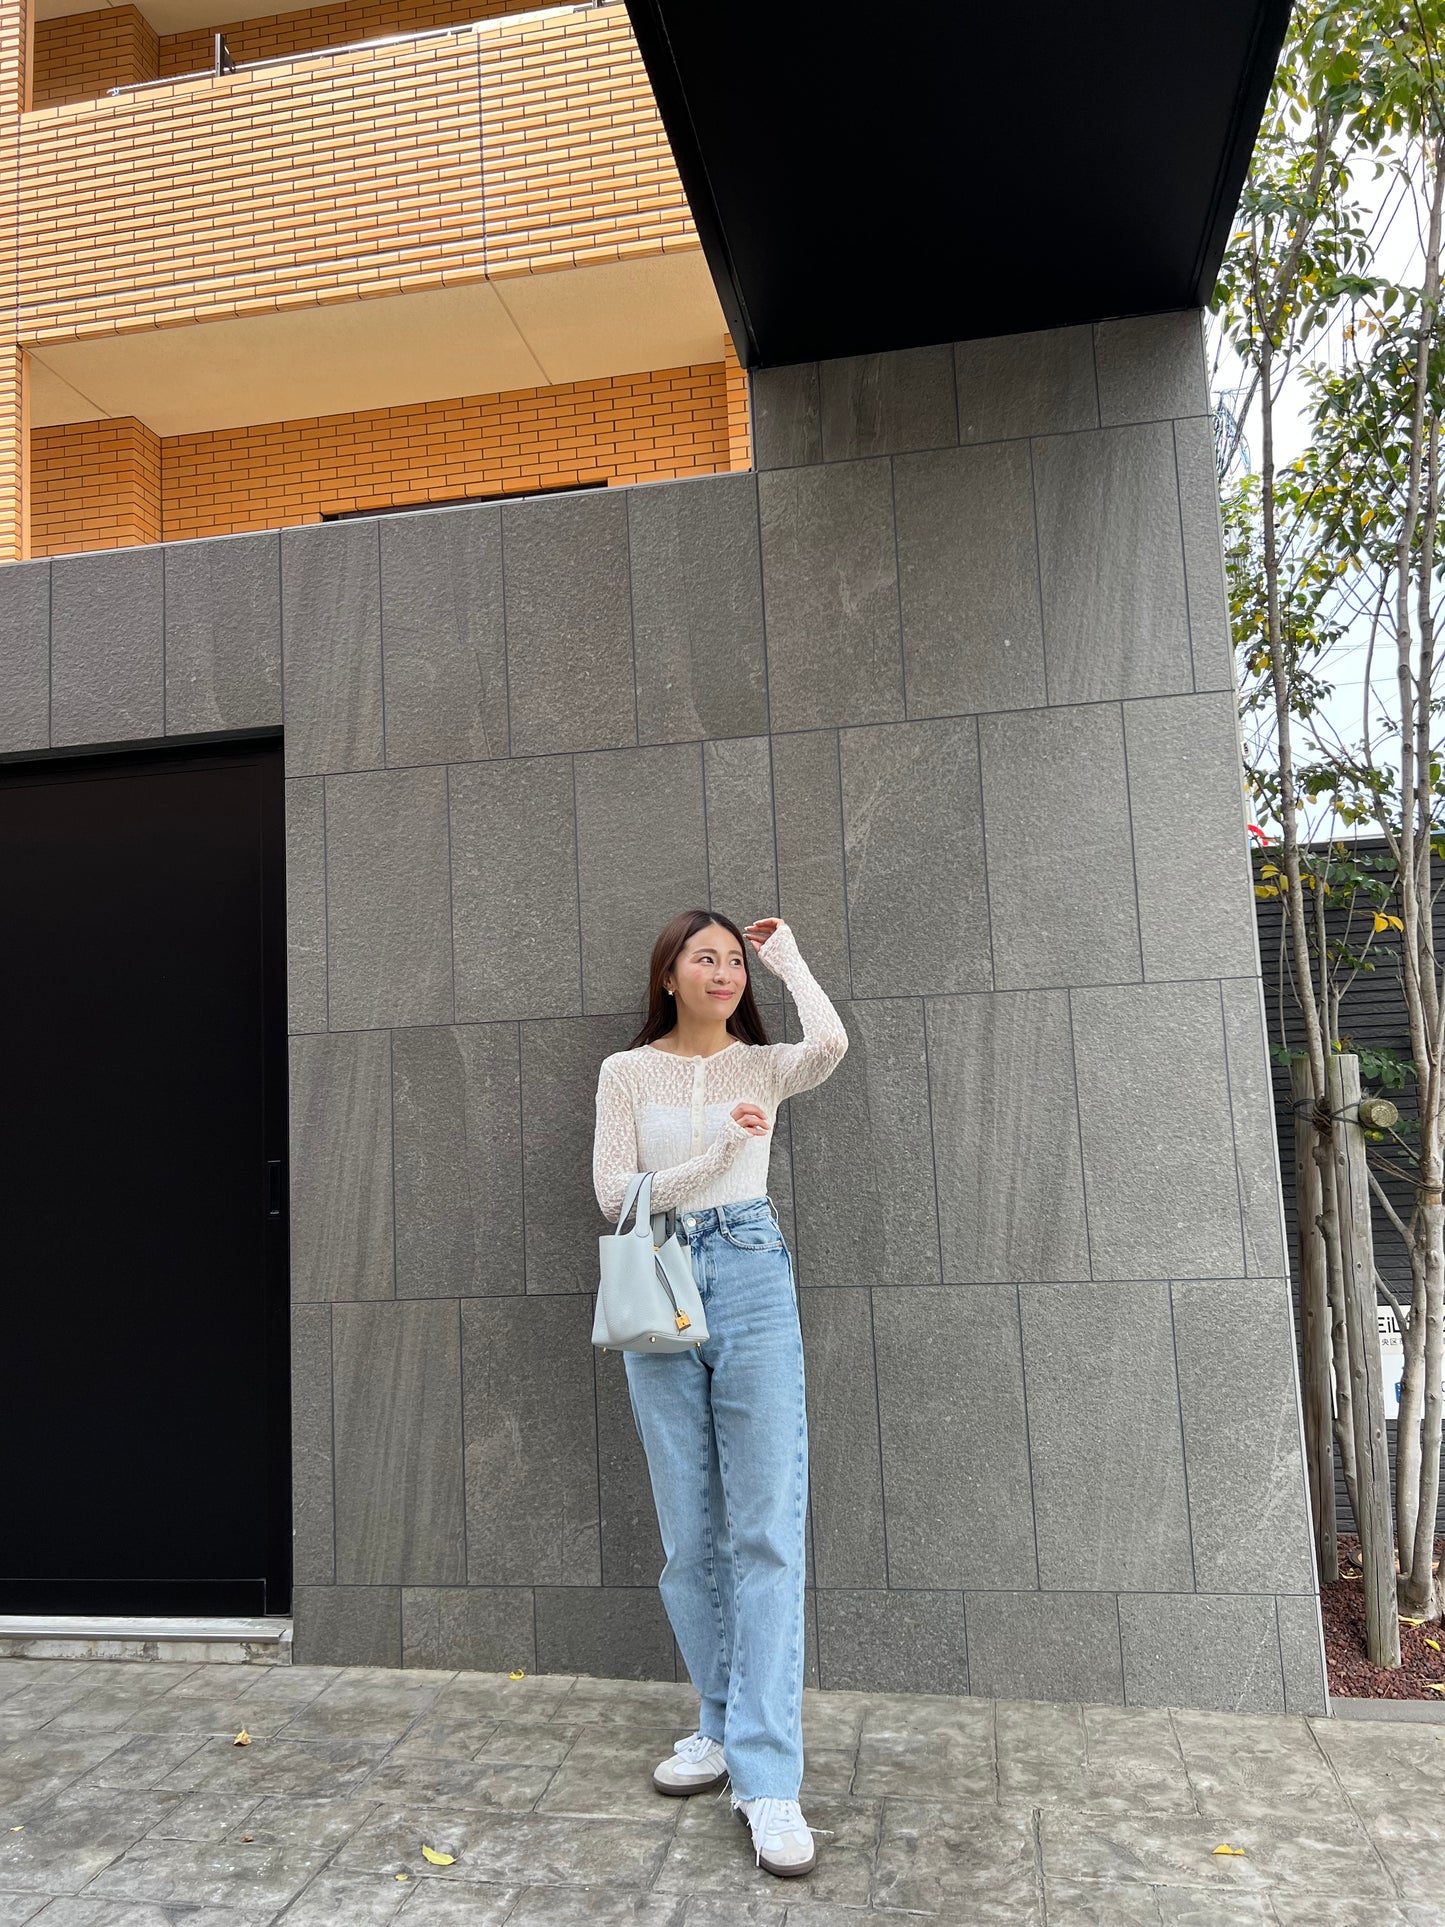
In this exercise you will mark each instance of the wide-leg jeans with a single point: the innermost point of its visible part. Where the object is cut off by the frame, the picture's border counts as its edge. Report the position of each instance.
(725, 1430)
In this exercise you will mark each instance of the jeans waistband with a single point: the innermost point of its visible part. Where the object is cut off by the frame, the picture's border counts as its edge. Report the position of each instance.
(699, 1224)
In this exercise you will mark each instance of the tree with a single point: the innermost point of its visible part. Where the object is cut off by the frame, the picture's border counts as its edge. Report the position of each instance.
(1331, 290)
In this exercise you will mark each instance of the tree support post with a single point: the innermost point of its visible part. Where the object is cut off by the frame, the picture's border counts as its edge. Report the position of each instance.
(1372, 1463)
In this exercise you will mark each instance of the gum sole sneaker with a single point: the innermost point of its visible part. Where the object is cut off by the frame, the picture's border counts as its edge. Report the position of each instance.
(697, 1765)
(782, 1838)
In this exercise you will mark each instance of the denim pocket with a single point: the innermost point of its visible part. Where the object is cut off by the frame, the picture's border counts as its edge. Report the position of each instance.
(762, 1233)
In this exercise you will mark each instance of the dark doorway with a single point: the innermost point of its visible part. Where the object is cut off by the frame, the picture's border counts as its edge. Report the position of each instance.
(144, 1422)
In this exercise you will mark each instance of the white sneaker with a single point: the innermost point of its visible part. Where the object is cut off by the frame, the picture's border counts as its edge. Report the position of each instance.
(697, 1766)
(783, 1840)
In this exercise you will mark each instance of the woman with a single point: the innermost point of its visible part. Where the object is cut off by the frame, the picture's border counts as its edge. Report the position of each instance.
(724, 1427)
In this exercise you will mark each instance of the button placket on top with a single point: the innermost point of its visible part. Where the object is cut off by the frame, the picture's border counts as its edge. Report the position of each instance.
(698, 1070)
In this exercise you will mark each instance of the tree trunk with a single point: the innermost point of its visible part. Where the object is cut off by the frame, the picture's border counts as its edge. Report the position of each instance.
(1314, 1326)
(1372, 1462)
(1421, 1593)
(1344, 1405)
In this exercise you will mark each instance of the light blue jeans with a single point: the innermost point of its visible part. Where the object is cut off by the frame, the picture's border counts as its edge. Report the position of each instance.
(725, 1430)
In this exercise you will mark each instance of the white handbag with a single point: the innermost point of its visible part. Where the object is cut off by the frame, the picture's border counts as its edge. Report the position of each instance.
(647, 1298)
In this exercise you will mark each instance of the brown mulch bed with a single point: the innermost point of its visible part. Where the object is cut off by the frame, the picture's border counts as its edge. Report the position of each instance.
(1342, 1607)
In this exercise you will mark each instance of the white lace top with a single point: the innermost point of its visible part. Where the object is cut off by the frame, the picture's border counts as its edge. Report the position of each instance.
(657, 1112)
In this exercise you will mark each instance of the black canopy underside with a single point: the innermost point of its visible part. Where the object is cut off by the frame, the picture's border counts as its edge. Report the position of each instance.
(882, 177)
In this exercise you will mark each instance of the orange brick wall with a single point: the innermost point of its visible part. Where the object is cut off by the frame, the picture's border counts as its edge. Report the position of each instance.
(516, 150)
(94, 485)
(272, 35)
(90, 480)
(83, 54)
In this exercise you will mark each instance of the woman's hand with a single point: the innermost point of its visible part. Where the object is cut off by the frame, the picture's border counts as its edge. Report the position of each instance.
(752, 1117)
(758, 933)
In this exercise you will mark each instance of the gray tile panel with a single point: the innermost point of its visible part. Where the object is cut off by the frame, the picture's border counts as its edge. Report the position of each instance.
(812, 895)
(560, 1061)
(1186, 807)
(531, 1443)
(1302, 1654)
(1045, 1646)
(1110, 1494)
(341, 1219)
(223, 633)
(863, 1156)
(1159, 1163)
(346, 1625)
(1005, 1136)
(457, 1117)
(887, 403)
(913, 847)
(306, 903)
(398, 1396)
(1111, 565)
(968, 579)
(631, 1546)
(569, 623)
(697, 609)
(331, 631)
(1217, 1651)
(1031, 384)
(951, 1405)
(845, 1465)
(313, 1532)
(612, 1632)
(480, 1629)
(106, 647)
(1061, 891)
(830, 586)
(1256, 1154)
(388, 898)
(786, 412)
(514, 889)
(742, 864)
(1211, 640)
(1151, 367)
(641, 858)
(1247, 1500)
(443, 636)
(24, 656)
(892, 1642)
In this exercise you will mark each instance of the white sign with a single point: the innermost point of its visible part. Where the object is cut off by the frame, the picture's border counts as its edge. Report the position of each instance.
(1392, 1359)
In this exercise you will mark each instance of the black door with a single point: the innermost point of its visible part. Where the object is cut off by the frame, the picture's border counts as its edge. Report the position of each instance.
(144, 1394)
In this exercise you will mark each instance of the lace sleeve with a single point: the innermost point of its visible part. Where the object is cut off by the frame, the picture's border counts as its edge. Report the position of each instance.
(798, 1067)
(614, 1153)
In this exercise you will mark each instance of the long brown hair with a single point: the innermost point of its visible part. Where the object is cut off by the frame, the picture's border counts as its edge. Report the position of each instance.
(746, 1022)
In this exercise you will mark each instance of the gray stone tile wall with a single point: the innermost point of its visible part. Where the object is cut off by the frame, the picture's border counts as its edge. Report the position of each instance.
(947, 682)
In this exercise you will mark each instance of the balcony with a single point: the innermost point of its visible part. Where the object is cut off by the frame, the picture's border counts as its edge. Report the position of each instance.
(489, 208)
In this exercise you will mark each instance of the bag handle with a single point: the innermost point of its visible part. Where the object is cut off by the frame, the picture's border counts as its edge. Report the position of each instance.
(639, 1193)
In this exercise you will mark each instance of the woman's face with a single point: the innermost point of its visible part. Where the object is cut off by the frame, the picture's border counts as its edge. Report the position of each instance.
(710, 975)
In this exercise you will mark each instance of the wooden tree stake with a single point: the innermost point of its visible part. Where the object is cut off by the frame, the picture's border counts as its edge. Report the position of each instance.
(1314, 1327)
(1372, 1464)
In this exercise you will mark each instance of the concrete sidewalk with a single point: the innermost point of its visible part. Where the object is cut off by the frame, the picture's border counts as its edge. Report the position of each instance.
(125, 1803)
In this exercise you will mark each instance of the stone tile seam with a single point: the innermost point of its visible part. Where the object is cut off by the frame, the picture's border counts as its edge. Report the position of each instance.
(1184, 564)
(1079, 1130)
(1229, 1095)
(891, 997)
(1039, 570)
(895, 454)
(678, 742)
(1184, 1459)
(1133, 846)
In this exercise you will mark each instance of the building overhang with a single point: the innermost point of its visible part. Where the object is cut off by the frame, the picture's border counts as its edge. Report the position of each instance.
(865, 179)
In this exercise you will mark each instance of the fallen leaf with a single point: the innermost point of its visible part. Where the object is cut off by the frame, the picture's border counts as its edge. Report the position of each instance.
(247, 1838)
(1410, 1622)
(403, 1876)
(1433, 1643)
(516, 1676)
(438, 1859)
(17, 1829)
(243, 1738)
(1226, 1848)
(1435, 1686)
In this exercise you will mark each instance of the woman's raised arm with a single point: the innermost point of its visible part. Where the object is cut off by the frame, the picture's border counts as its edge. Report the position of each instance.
(798, 1067)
